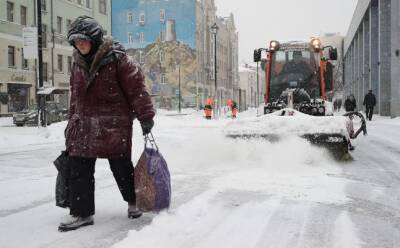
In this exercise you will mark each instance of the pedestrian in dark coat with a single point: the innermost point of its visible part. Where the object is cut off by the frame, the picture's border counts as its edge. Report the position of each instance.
(350, 103)
(339, 104)
(107, 92)
(335, 105)
(369, 103)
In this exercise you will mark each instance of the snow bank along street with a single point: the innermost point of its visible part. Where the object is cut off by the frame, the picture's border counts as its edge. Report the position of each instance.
(226, 193)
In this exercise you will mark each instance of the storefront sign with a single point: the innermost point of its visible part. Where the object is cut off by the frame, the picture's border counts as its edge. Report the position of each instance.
(18, 78)
(30, 42)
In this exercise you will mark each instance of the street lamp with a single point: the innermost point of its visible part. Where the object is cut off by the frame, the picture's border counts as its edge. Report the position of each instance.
(179, 85)
(214, 30)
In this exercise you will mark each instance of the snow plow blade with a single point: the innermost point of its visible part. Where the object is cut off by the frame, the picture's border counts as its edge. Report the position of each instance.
(329, 132)
(336, 144)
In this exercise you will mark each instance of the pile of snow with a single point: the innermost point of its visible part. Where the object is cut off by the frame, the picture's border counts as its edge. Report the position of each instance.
(13, 137)
(289, 122)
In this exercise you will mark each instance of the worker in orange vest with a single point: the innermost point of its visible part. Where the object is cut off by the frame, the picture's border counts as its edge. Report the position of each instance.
(208, 108)
(233, 107)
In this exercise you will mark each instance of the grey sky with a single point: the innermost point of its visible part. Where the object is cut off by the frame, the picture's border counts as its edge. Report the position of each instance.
(259, 21)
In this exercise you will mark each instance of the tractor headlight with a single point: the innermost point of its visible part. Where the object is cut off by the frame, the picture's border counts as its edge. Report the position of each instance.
(274, 45)
(316, 44)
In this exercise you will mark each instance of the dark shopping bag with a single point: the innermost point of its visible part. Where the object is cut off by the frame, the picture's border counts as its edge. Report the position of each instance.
(152, 179)
(62, 181)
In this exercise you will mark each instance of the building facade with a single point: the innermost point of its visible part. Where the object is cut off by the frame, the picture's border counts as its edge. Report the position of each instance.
(372, 57)
(18, 77)
(174, 43)
(336, 40)
(248, 95)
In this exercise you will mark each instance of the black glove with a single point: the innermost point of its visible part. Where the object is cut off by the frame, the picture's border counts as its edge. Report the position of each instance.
(147, 126)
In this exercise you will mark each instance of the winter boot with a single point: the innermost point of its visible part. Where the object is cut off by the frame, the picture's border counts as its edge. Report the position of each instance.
(75, 223)
(133, 211)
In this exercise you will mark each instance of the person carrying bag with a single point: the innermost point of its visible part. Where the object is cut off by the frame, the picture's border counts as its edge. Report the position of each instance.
(152, 178)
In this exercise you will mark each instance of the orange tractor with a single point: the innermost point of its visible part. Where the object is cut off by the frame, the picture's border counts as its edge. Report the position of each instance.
(298, 76)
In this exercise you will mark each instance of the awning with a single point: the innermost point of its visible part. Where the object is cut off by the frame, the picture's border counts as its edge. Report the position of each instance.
(52, 90)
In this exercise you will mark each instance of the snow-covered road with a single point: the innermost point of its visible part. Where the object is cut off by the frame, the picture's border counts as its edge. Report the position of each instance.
(226, 193)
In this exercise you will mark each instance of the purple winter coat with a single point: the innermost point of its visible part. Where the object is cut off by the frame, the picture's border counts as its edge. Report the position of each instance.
(104, 99)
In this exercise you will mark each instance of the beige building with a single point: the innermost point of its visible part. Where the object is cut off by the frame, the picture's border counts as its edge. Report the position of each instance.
(247, 86)
(227, 53)
(18, 80)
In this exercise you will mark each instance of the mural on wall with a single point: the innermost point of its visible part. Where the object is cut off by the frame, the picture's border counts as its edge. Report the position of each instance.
(161, 36)
(165, 64)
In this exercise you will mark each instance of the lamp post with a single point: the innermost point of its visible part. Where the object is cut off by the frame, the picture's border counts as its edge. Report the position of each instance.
(41, 98)
(179, 85)
(258, 89)
(214, 30)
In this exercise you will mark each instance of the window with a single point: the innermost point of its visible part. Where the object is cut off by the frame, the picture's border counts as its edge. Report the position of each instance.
(44, 71)
(59, 24)
(130, 38)
(141, 57)
(10, 11)
(141, 37)
(23, 15)
(11, 56)
(44, 35)
(88, 4)
(130, 17)
(68, 23)
(23, 60)
(69, 62)
(162, 15)
(163, 81)
(43, 4)
(162, 56)
(141, 18)
(60, 62)
(162, 36)
(103, 7)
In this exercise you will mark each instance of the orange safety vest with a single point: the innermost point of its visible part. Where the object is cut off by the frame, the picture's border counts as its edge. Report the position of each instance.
(234, 112)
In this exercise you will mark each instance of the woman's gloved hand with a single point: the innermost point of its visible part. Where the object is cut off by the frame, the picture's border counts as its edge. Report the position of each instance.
(147, 126)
